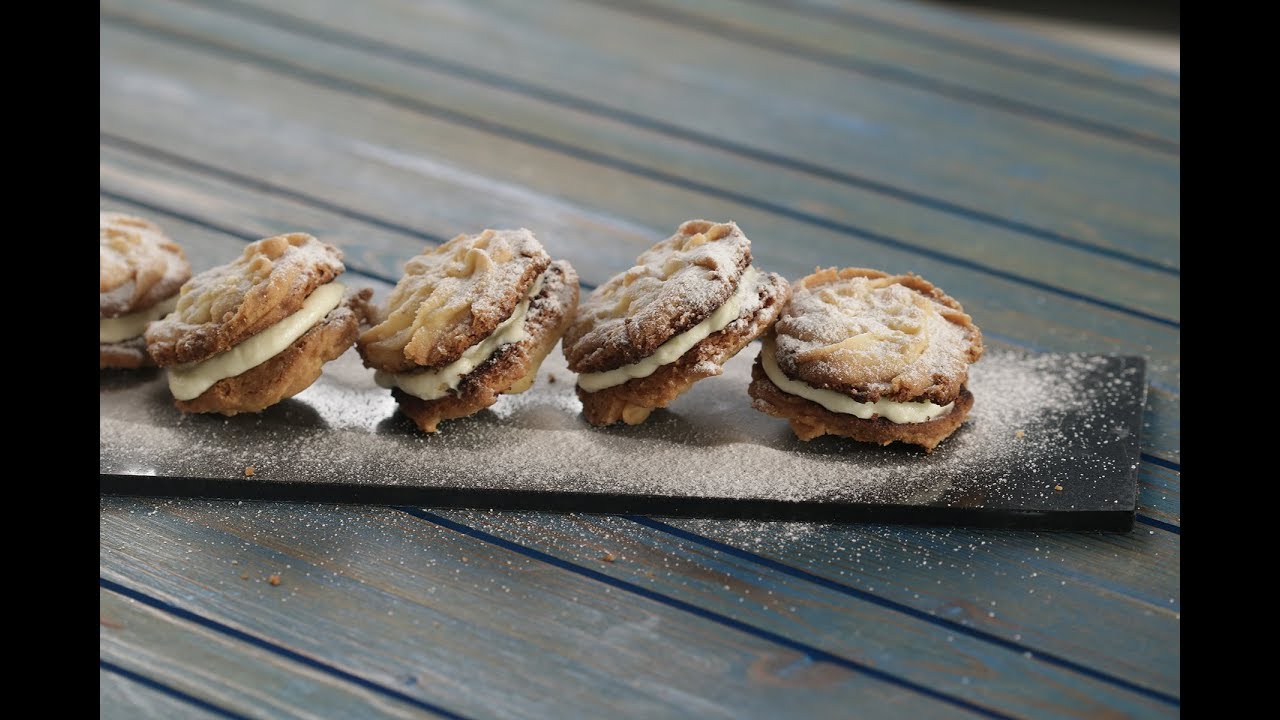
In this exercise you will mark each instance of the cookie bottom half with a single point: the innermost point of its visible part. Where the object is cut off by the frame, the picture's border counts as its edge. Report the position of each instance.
(810, 420)
(512, 367)
(288, 372)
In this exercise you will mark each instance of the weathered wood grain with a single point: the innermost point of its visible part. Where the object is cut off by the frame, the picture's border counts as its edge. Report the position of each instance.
(996, 44)
(461, 623)
(226, 672)
(761, 595)
(122, 698)
(1027, 588)
(1040, 176)
(868, 52)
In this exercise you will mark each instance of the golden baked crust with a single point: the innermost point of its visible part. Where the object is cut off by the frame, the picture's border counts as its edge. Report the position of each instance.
(290, 371)
(870, 335)
(452, 297)
(221, 307)
(126, 354)
(548, 316)
(632, 401)
(138, 265)
(809, 419)
(673, 286)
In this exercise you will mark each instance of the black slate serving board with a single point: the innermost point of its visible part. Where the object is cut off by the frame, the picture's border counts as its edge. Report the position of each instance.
(1052, 443)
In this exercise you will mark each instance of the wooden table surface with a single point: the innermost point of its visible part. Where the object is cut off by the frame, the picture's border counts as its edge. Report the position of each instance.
(1036, 184)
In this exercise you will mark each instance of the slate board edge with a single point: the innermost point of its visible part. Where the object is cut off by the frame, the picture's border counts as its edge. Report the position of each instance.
(1119, 520)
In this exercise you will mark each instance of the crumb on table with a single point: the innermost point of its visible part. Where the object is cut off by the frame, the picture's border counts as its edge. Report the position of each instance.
(249, 470)
(608, 556)
(1020, 434)
(551, 378)
(1058, 488)
(274, 579)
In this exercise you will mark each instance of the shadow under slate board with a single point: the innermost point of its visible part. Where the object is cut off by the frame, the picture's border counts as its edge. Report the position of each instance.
(1051, 443)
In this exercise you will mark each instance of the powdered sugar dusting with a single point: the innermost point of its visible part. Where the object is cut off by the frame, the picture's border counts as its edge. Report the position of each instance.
(870, 334)
(1038, 422)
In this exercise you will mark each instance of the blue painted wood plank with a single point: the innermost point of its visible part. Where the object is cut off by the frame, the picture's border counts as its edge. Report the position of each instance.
(435, 615)
(932, 26)
(201, 667)
(803, 138)
(1026, 589)
(769, 598)
(866, 52)
(127, 695)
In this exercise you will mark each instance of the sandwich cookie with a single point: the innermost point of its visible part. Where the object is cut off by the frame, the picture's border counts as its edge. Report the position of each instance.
(140, 271)
(647, 335)
(259, 329)
(470, 320)
(869, 356)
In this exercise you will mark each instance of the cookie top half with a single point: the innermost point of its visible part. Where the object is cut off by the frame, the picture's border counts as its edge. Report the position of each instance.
(452, 297)
(138, 265)
(673, 286)
(871, 335)
(225, 305)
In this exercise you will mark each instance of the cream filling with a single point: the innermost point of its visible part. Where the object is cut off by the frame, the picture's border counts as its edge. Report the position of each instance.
(435, 384)
(672, 349)
(189, 381)
(117, 329)
(898, 412)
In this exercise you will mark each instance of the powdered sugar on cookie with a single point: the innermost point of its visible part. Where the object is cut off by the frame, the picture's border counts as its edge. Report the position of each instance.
(452, 297)
(225, 305)
(672, 287)
(138, 266)
(870, 335)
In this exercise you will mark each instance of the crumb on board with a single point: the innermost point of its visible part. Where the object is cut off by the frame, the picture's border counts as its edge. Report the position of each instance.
(244, 576)
(274, 580)
(249, 470)
(110, 623)
(551, 378)
(608, 556)
(1058, 488)
(1020, 434)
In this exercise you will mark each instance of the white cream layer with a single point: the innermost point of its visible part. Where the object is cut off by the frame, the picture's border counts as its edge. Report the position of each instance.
(435, 384)
(118, 329)
(672, 349)
(189, 381)
(898, 412)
